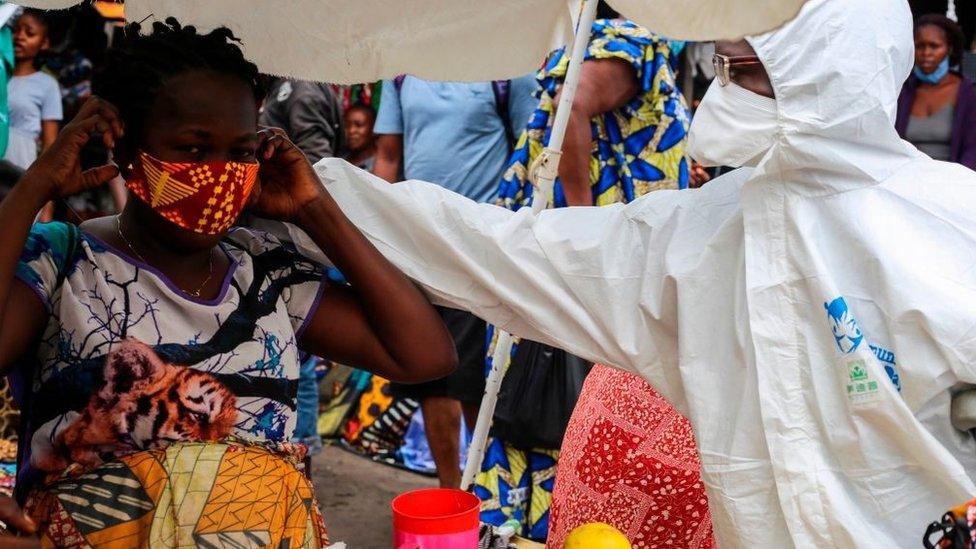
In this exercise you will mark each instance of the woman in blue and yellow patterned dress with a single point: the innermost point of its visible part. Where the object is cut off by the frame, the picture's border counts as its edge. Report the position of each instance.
(626, 138)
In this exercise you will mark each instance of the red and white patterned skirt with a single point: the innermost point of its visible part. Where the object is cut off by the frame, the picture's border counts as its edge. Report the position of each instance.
(629, 460)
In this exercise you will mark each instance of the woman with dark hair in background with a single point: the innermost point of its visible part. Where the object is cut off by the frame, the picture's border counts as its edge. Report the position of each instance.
(937, 106)
(360, 140)
(34, 96)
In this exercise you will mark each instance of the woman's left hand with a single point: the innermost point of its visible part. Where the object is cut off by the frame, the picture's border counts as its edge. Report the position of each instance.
(286, 181)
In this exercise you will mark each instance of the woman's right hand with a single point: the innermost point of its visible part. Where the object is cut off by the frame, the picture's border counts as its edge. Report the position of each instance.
(58, 170)
(16, 521)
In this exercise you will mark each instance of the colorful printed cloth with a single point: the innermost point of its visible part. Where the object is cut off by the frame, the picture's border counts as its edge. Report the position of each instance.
(9, 422)
(517, 484)
(956, 530)
(359, 94)
(9, 416)
(339, 392)
(629, 460)
(379, 423)
(129, 362)
(383, 438)
(8, 475)
(373, 403)
(188, 495)
(636, 149)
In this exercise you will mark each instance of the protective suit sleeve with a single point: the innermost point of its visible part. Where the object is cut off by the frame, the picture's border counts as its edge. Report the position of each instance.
(581, 279)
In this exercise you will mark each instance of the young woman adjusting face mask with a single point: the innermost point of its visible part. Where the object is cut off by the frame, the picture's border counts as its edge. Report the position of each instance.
(177, 336)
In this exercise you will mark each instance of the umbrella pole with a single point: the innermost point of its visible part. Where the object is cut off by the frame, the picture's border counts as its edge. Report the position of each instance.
(479, 440)
(545, 179)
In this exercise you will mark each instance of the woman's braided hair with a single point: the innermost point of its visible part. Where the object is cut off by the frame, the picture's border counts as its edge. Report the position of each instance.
(138, 66)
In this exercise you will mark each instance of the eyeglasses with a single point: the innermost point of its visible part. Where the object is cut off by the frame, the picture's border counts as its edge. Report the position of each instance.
(724, 65)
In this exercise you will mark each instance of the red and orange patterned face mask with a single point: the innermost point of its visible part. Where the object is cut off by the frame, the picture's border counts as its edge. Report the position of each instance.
(203, 197)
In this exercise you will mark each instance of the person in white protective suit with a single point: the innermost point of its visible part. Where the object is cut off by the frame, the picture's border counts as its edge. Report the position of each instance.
(812, 317)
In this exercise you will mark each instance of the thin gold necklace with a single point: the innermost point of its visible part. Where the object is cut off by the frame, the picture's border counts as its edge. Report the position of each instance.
(194, 293)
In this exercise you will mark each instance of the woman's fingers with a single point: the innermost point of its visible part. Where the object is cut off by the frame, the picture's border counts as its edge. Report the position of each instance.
(94, 124)
(80, 132)
(108, 122)
(271, 140)
(111, 114)
(104, 127)
(96, 105)
(14, 518)
(271, 147)
(99, 176)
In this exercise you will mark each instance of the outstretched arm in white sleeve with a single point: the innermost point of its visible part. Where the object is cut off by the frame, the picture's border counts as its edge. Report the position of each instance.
(591, 281)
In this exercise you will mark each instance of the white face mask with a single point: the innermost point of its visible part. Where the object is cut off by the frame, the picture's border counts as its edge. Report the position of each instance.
(732, 127)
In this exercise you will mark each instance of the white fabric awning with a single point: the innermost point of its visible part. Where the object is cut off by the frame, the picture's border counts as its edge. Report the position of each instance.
(705, 20)
(348, 41)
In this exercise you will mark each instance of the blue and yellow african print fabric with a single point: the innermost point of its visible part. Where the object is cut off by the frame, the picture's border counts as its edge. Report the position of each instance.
(517, 484)
(638, 148)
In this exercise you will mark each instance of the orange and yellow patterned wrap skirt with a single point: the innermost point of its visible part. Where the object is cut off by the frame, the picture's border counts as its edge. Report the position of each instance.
(187, 495)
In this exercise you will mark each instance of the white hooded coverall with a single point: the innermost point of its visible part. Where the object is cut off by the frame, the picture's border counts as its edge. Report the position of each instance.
(810, 317)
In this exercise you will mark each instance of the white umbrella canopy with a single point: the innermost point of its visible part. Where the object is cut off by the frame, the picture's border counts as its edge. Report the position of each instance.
(350, 41)
(706, 20)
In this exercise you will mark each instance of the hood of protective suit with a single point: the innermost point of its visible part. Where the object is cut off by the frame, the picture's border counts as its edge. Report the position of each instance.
(837, 70)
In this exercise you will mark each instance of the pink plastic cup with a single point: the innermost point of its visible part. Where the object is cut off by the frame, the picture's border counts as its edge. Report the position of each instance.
(436, 518)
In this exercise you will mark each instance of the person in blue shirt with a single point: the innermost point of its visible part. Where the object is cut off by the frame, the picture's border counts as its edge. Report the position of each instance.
(457, 135)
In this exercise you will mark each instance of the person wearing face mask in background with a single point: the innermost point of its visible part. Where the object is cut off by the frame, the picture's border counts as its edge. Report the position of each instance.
(788, 310)
(937, 105)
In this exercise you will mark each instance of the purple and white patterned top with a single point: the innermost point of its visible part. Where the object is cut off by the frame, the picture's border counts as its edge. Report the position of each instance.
(130, 362)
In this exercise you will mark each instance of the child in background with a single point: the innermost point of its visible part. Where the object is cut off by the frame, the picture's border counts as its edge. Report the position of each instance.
(360, 140)
(34, 97)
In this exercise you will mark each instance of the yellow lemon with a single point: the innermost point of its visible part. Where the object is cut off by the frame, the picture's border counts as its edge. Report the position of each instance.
(596, 535)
